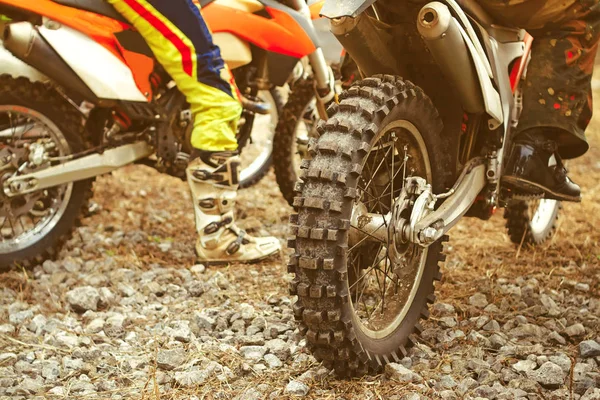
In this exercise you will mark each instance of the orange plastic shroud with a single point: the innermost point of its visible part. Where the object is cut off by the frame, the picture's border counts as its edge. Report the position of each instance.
(280, 34)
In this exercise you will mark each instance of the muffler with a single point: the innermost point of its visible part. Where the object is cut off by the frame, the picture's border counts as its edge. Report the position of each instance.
(442, 36)
(367, 43)
(24, 42)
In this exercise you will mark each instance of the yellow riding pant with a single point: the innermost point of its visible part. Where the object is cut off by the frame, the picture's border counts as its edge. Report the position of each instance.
(182, 43)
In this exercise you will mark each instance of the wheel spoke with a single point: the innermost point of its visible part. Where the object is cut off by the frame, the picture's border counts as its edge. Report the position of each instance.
(367, 236)
(28, 218)
(2, 227)
(384, 281)
(376, 170)
(12, 227)
(21, 223)
(375, 263)
(357, 275)
(377, 292)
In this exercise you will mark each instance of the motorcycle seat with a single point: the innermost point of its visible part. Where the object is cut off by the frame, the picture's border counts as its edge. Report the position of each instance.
(99, 7)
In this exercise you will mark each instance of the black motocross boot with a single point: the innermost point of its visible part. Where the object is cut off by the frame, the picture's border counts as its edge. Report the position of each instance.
(534, 168)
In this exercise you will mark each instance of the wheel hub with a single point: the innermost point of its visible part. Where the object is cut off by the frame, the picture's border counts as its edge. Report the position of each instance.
(399, 228)
(13, 160)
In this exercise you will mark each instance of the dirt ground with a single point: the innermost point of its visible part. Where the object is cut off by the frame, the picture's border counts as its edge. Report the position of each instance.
(481, 259)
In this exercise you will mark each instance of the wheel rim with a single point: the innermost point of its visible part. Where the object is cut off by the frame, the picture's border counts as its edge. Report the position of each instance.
(25, 220)
(304, 129)
(381, 289)
(257, 152)
(544, 213)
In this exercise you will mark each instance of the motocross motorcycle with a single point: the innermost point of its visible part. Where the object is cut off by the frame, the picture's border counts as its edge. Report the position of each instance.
(74, 52)
(398, 163)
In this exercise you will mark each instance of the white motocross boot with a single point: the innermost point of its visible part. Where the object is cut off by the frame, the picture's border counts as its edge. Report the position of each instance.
(213, 179)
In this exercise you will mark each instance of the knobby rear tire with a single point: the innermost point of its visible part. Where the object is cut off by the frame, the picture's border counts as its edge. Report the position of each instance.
(324, 203)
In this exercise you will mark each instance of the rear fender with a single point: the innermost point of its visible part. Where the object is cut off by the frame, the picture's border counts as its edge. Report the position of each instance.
(105, 74)
(99, 30)
(102, 29)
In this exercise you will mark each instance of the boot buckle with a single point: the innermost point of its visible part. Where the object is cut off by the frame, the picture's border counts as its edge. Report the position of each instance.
(213, 227)
(236, 245)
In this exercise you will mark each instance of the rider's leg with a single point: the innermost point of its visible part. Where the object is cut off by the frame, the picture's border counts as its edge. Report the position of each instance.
(182, 43)
(557, 95)
(213, 178)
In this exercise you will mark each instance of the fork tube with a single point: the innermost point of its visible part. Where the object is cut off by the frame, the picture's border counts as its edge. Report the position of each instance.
(320, 69)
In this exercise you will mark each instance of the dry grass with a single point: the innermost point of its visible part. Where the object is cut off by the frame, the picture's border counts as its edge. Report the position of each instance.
(480, 254)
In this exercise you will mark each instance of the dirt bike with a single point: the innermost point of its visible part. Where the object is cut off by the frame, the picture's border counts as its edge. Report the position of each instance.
(398, 163)
(70, 53)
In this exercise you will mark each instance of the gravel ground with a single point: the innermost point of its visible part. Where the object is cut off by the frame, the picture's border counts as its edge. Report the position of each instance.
(125, 312)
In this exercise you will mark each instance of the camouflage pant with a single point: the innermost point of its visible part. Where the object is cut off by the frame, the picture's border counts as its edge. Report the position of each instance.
(557, 92)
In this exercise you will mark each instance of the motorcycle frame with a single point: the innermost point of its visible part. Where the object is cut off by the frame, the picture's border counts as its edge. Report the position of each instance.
(492, 53)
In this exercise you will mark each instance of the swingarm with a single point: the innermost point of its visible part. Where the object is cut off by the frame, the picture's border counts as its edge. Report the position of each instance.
(426, 223)
(78, 169)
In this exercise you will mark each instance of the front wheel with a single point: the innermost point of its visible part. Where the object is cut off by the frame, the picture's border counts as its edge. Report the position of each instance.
(360, 297)
(38, 129)
(296, 127)
(531, 222)
(256, 154)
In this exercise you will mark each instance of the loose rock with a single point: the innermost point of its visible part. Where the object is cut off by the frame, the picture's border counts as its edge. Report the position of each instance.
(272, 361)
(170, 359)
(549, 375)
(279, 347)
(253, 353)
(443, 309)
(575, 330)
(84, 298)
(401, 374)
(295, 388)
(478, 300)
(524, 366)
(591, 394)
(589, 348)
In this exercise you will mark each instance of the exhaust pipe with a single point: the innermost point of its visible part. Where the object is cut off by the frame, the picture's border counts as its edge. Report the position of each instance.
(444, 40)
(24, 41)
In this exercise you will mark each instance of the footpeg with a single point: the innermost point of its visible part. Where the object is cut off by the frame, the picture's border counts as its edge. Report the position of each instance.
(256, 105)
